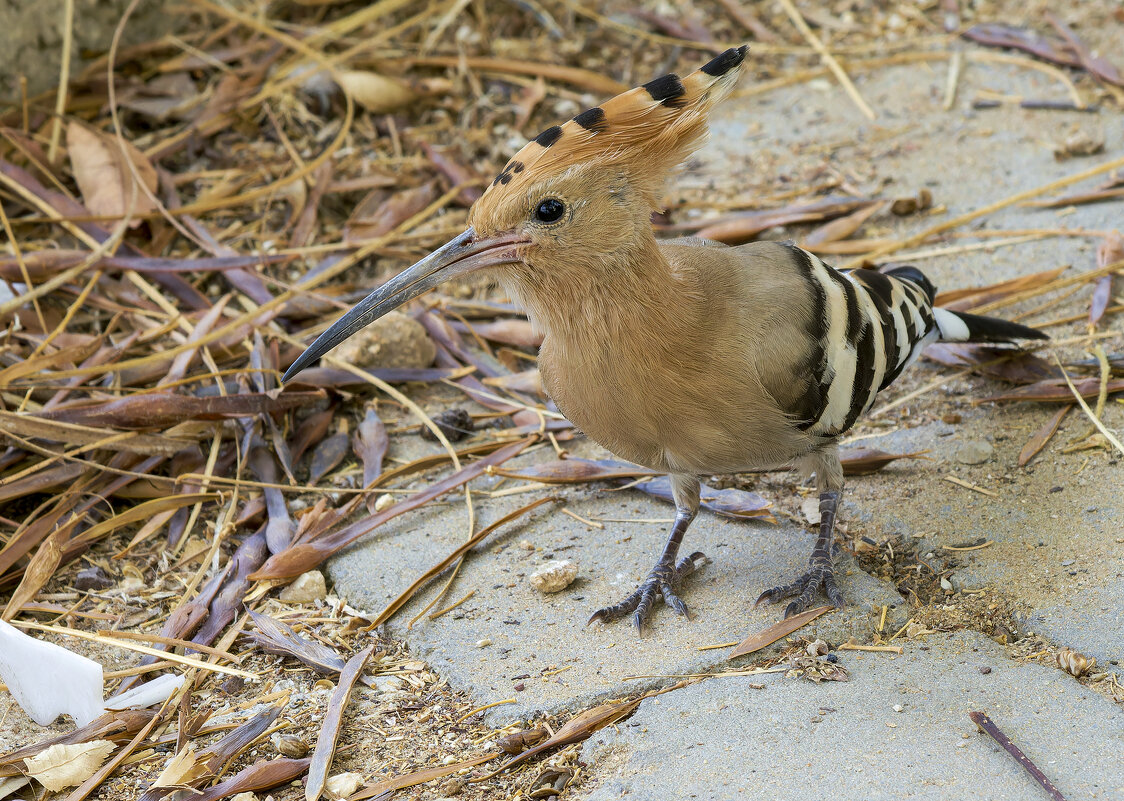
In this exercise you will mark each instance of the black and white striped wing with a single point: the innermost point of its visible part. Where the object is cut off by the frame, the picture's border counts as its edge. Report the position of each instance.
(873, 325)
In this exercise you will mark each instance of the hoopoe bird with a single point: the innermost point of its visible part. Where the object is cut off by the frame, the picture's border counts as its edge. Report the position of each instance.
(685, 356)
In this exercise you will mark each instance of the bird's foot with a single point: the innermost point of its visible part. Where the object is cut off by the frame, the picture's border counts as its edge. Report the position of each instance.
(820, 573)
(660, 581)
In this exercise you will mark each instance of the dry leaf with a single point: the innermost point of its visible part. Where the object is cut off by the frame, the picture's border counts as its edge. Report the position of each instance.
(576, 729)
(181, 769)
(863, 461)
(1043, 435)
(374, 92)
(10, 784)
(68, 765)
(1110, 251)
(330, 727)
(105, 175)
(782, 628)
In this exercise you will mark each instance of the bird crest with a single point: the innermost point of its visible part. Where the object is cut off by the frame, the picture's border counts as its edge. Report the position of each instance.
(649, 129)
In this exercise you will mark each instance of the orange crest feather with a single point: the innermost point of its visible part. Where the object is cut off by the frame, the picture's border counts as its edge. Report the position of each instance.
(654, 127)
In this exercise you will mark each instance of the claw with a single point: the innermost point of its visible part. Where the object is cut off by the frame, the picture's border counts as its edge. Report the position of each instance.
(820, 574)
(661, 581)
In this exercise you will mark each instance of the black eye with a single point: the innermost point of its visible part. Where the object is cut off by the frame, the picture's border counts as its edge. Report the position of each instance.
(550, 210)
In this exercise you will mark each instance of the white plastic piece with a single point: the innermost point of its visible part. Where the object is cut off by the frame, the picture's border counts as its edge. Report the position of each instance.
(151, 692)
(47, 680)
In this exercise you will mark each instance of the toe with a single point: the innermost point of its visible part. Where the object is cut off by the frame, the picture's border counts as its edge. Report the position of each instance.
(673, 600)
(794, 608)
(833, 592)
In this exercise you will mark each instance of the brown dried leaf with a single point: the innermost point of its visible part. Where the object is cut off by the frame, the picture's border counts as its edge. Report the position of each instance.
(160, 410)
(1056, 391)
(275, 637)
(736, 229)
(312, 429)
(782, 628)
(864, 461)
(509, 331)
(1042, 436)
(370, 444)
(843, 227)
(986, 294)
(576, 471)
(303, 557)
(330, 725)
(1005, 364)
(327, 455)
(105, 175)
(576, 729)
(1074, 663)
(381, 789)
(1110, 251)
(381, 212)
(262, 775)
(27, 426)
(117, 726)
(37, 573)
(731, 502)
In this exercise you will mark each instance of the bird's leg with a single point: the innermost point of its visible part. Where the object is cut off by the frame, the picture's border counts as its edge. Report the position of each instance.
(667, 572)
(821, 572)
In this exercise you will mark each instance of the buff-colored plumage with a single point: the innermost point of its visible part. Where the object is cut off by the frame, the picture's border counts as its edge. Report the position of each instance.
(686, 356)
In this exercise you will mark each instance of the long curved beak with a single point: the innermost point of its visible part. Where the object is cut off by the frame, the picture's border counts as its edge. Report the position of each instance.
(460, 256)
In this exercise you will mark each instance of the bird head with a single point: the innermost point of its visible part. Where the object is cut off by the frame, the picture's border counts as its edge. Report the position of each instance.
(576, 198)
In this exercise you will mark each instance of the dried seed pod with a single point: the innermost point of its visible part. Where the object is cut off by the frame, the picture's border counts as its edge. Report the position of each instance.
(291, 746)
(817, 648)
(520, 741)
(1074, 663)
(455, 424)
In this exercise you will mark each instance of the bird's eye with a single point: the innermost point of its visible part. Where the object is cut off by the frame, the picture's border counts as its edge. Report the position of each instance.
(549, 210)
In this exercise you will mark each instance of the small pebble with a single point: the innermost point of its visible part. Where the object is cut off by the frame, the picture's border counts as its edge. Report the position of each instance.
(974, 451)
(244, 797)
(899, 708)
(383, 501)
(306, 588)
(484, 643)
(395, 340)
(554, 576)
(985, 669)
(520, 687)
(343, 784)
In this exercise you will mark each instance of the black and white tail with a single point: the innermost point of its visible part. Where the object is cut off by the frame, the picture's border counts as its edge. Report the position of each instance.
(870, 326)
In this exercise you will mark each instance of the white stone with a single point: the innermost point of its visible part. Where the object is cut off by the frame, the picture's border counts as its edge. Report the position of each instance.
(554, 576)
(343, 784)
(306, 588)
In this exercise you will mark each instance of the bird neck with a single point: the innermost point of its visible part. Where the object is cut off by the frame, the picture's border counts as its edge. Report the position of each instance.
(587, 305)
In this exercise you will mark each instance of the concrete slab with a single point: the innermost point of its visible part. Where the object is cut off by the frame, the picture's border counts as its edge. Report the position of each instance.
(721, 739)
(1057, 552)
(532, 635)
